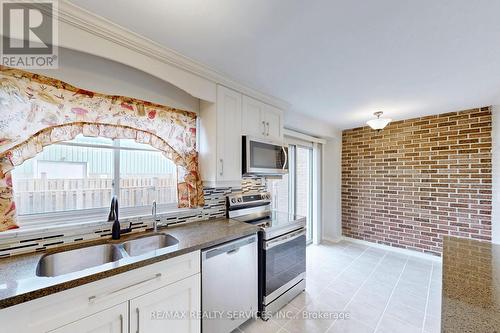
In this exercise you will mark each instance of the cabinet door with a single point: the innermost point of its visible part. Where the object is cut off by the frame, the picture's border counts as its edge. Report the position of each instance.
(112, 320)
(252, 122)
(272, 119)
(173, 308)
(228, 134)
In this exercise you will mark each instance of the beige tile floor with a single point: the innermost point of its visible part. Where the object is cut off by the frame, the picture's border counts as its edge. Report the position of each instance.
(380, 291)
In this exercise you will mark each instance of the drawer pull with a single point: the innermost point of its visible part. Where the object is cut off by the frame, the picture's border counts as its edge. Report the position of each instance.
(138, 322)
(97, 298)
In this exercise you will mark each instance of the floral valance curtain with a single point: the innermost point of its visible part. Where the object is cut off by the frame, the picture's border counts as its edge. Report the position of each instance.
(37, 111)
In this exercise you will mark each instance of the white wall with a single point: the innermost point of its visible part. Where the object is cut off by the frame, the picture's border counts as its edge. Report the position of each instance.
(495, 218)
(105, 76)
(307, 125)
(332, 184)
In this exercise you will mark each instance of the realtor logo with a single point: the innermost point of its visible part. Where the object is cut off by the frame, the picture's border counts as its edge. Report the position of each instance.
(29, 34)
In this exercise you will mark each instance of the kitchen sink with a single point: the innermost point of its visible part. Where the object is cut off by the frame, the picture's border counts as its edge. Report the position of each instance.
(76, 260)
(65, 262)
(145, 244)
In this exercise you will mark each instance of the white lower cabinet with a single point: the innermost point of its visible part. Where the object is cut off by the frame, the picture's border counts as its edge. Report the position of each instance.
(112, 320)
(174, 308)
(118, 303)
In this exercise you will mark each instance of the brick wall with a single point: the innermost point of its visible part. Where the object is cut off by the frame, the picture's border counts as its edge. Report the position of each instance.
(419, 179)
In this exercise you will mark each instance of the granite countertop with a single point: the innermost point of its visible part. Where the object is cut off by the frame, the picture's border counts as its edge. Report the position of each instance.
(19, 283)
(471, 286)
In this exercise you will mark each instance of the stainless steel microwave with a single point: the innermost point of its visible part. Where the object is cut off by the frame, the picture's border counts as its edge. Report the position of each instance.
(261, 157)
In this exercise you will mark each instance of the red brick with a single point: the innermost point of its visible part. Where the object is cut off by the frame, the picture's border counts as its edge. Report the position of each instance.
(418, 180)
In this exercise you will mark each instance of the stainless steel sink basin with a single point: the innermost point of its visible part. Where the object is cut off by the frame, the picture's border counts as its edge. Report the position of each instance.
(60, 263)
(76, 260)
(142, 245)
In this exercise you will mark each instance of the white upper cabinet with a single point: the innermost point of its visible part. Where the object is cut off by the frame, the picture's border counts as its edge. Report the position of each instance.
(274, 123)
(220, 139)
(221, 126)
(229, 134)
(261, 120)
(253, 124)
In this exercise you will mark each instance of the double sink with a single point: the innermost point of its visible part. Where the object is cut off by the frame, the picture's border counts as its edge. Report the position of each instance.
(65, 262)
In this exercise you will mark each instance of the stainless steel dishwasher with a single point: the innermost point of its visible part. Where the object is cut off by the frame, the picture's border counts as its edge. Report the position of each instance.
(229, 284)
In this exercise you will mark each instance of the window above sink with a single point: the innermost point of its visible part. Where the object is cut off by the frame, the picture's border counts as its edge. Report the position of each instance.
(75, 180)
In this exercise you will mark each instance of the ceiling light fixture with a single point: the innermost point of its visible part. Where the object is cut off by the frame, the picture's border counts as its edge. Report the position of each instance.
(379, 123)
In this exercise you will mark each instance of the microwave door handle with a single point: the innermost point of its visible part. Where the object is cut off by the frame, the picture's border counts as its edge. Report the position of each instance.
(286, 158)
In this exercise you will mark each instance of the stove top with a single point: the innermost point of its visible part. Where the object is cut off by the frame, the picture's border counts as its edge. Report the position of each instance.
(255, 208)
(278, 223)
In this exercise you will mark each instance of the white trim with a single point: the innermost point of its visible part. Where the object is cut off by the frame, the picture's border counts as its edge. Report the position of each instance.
(316, 193)
(302, 136)
(407, 252)
(330, 239)
(89, 22)
(288, 140)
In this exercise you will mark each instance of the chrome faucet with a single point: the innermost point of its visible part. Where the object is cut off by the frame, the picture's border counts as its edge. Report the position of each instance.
(116, 230)
(156, 219)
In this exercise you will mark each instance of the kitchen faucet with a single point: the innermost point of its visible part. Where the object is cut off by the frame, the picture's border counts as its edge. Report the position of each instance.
(116, 230)
(156, 219)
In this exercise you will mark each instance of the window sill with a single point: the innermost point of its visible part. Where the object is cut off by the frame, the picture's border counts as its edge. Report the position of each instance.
(83, 221)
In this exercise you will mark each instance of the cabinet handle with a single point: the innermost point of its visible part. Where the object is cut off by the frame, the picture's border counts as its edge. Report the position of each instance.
(267, 128)
(121, 324)
(221, 167)
(96, 298)
(233, 251)
(137, 312)
(263, 127)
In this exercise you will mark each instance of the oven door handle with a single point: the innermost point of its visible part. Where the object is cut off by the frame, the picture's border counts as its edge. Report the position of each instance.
(284, 239)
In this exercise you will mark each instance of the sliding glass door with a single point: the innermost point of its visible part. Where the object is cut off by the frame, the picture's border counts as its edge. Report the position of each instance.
(293, 193)
(303, 185)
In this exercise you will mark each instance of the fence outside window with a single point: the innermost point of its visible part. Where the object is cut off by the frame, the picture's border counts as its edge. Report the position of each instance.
(86, 172)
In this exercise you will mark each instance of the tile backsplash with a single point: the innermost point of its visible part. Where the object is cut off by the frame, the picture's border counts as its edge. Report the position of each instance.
(20, 241)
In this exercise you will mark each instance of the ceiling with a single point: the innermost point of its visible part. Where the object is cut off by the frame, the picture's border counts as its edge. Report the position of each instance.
(335, 60)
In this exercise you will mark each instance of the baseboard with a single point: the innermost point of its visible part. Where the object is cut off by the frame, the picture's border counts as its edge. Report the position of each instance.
(407, 252)
(330, 239)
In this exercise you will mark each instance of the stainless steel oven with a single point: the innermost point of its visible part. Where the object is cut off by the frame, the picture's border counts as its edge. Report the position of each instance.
(284, 267)
(282, 249)
(263, 157)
